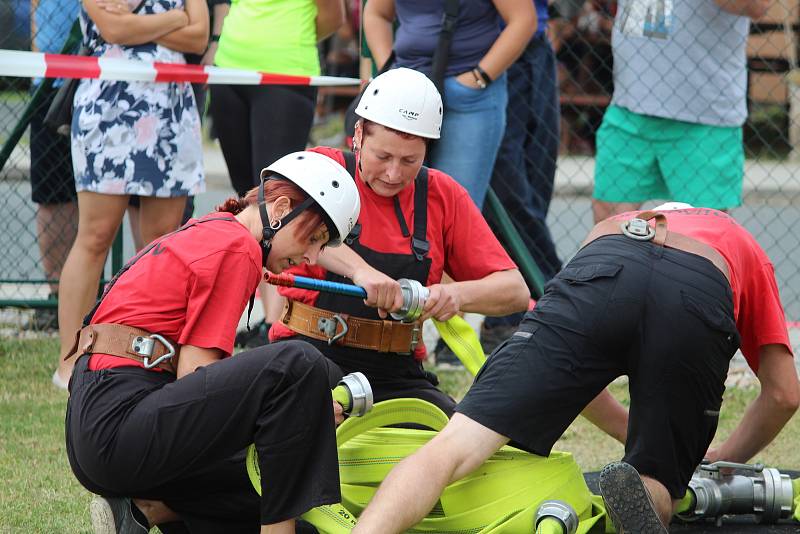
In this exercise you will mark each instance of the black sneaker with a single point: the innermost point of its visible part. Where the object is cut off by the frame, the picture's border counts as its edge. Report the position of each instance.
(492, 337)
(628, 502)
(445, 358)
(255, 337)
(114, 516)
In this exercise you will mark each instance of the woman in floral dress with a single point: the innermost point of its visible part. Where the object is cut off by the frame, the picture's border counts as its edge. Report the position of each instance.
(130, 138)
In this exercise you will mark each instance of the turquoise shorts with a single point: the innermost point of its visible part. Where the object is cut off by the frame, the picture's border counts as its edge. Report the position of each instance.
(640, 158)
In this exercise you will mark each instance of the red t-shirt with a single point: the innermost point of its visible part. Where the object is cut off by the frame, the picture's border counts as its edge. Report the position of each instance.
(192, 288)
(461, 242)
(757, 305)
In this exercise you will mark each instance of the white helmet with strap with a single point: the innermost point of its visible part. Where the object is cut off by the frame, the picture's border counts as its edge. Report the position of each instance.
(328, 185)
(404, 100)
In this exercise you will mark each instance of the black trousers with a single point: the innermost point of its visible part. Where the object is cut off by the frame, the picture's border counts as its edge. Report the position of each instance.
(138, 433)
(663, 317)
(256, 125)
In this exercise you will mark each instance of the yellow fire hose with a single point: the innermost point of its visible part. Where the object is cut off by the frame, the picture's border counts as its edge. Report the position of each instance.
(500, 497)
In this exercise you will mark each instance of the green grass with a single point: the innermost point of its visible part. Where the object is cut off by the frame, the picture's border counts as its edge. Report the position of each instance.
(39, 493)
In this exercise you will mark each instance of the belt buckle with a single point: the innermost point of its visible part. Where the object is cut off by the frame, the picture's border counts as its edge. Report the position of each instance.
(144, 345)
(415, 338)
(637, 229)
(328, 328)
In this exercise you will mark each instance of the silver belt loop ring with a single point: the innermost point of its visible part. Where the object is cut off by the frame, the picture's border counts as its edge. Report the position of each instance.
(637, 229)
(144, 345)
(328, 327)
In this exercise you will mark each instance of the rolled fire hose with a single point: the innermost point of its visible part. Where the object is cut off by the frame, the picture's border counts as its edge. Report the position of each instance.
(500, 497)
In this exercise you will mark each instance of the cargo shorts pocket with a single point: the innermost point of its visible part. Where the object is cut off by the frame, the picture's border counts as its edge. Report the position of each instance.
(715, 316)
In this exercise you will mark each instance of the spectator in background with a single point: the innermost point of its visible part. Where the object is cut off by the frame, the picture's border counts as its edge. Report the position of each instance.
(217, 10)
(258, 124)
(526, 162)
(130, 138)
(52, 184)
(475, 93)
(674, 127)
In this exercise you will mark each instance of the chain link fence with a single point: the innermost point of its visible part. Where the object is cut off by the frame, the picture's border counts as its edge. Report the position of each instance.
(588, 80)
(39, 214)
(581, 38)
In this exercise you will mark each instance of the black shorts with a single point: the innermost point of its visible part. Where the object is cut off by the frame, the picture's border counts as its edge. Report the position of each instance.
(52, 181)
(663, 317)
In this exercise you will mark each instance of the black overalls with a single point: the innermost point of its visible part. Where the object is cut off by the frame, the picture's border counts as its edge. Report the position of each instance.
(134, 432)
(391, 375)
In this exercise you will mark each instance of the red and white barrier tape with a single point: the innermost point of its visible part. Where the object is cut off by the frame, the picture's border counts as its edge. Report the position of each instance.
(24, 64)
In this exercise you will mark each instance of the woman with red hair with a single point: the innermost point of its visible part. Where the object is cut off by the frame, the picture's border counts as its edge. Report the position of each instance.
(158, 411)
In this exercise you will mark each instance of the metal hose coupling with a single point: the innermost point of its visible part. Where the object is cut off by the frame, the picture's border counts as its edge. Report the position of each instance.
(414, 297)
(354, 394)
(559, 511)
(755, 489)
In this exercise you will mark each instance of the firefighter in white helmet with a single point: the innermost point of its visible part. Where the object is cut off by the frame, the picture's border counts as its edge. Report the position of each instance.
(159, 412)
(415, 223)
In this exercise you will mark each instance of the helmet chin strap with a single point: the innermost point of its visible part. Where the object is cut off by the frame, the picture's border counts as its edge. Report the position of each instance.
(270, 228)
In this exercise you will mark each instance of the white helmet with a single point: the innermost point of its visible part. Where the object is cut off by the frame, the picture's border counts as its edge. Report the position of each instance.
(329, 185)
(668, 206)
(404, 100)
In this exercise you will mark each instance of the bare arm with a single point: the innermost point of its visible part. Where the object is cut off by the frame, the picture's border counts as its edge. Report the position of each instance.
(220, 12)
(521, 21)
(131, 29)
(499, 293)
(192, 357)
(330, 16)
(382, 291)
(755, 9)
(769, 412)
(378, 18)
(606, 413)
(192, 38)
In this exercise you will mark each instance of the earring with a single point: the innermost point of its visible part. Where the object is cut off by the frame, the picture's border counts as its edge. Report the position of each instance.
(275, 224)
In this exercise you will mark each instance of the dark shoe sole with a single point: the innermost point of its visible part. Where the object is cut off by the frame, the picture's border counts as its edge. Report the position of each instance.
(627, 500)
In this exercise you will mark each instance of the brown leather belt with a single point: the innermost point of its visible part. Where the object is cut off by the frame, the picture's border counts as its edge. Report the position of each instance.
(342, 329)
(151, 350)
(660, 237)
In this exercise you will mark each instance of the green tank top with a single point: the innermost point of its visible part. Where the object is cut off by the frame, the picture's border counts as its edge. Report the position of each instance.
(277, 36)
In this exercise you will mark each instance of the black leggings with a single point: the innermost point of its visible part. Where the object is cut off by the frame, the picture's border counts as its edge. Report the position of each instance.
(138, 433)
(258, 124)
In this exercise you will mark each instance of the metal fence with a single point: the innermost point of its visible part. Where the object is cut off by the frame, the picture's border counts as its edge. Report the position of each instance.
(770, 206)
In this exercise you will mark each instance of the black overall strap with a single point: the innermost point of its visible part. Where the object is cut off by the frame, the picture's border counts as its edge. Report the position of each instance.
(439, 64)
(145, 250)
(419, 242)
(350, 162)
(350, 165)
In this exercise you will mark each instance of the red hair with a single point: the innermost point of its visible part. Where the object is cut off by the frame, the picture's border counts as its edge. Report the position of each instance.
(307, 223)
